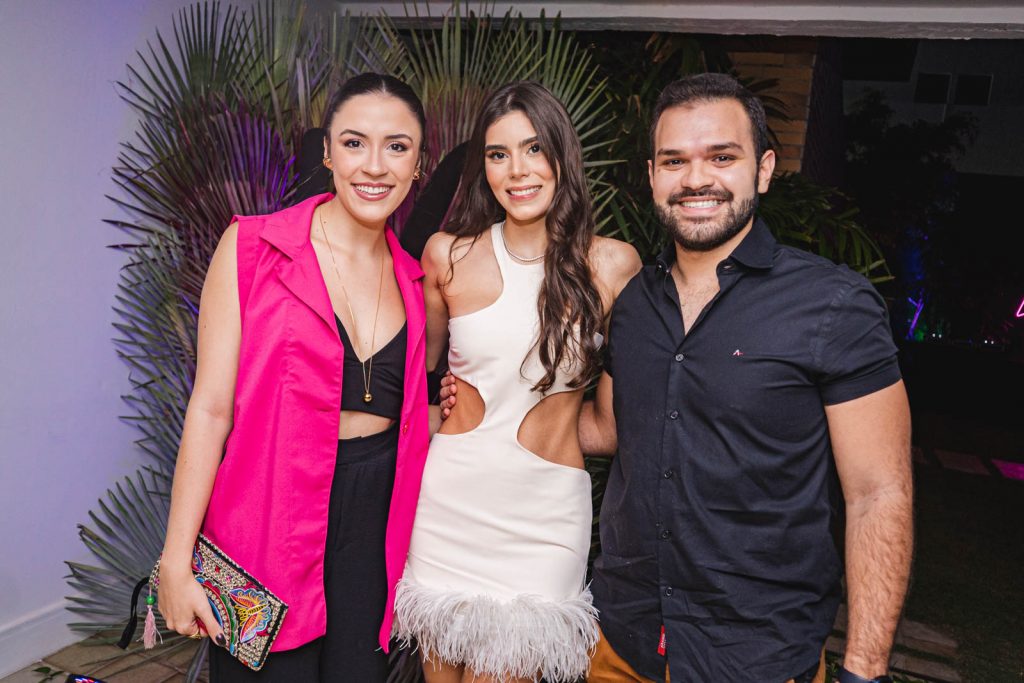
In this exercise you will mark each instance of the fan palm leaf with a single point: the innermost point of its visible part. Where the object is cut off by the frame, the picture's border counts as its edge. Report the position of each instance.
(124, 538)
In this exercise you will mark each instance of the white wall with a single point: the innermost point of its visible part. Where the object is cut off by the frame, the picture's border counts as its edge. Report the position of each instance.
(61, 442)
(881, 18)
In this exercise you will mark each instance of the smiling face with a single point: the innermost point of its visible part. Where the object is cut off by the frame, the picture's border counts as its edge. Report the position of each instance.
(373, 145)
(517, 169)
(705, 175)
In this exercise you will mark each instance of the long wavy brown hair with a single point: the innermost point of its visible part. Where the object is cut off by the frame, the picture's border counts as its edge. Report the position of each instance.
(568, 297)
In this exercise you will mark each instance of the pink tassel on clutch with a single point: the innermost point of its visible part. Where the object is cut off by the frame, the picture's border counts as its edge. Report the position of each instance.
(150, 632)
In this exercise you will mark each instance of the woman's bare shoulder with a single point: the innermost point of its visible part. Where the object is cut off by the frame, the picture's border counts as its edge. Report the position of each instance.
(229, 237)
(442, 246)
(614, 262)
(224, 256)
(439, 240)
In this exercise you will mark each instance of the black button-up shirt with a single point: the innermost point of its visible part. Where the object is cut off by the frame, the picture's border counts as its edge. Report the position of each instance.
(716, 518)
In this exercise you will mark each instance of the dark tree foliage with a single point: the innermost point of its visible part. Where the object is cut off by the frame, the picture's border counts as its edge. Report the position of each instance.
(902, 178)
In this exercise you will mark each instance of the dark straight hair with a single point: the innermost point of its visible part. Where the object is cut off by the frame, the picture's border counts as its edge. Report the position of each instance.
(373, 84)
(568, 297)
(708, 87)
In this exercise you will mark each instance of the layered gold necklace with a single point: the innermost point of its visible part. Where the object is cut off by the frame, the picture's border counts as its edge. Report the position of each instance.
(367, 365)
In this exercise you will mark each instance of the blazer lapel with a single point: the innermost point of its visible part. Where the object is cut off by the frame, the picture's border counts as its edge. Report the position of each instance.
(299, 271)
(407, 272)
(288, 232)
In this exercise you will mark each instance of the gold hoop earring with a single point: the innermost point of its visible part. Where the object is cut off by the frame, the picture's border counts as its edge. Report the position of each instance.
(417, 174)
(327, 163)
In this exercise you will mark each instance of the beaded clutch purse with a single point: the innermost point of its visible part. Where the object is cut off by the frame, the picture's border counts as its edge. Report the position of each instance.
(249, 614)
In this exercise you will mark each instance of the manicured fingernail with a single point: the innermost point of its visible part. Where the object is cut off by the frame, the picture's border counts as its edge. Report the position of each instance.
(221, 640)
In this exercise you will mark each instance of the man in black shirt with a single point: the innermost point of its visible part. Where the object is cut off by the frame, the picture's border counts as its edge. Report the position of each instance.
(747, 375)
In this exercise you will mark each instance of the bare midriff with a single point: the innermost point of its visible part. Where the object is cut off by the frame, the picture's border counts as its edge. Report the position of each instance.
(550, 430)
(354, 423)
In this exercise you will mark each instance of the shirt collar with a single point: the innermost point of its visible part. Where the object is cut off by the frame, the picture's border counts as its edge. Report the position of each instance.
(288, 229)
(757, 250)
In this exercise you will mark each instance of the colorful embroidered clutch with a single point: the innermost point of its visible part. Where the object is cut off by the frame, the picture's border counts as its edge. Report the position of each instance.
(250, 615)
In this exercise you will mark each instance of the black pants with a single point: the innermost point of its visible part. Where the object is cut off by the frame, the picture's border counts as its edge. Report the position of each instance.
(355, 580)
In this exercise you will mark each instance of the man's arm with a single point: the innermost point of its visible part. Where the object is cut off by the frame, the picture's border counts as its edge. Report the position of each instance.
(597, 421)
(871, 442)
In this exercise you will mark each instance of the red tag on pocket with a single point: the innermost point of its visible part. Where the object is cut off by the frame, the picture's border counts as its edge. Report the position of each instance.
(661, 642)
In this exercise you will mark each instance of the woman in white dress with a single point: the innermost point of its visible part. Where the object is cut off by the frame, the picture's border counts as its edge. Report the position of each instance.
(519, 286)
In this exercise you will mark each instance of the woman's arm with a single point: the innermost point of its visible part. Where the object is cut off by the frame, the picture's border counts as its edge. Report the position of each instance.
(208, 422)
(614, 264)
(436, 270)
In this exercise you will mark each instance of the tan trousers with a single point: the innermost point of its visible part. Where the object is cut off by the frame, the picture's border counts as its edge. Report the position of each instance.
(606, 666)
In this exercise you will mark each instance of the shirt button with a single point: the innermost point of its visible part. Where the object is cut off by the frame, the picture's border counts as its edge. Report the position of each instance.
(668, 474)
(673, 415)
(665, 535)
(727, 266)
(669, 592)
(405, 428)
(679, 357)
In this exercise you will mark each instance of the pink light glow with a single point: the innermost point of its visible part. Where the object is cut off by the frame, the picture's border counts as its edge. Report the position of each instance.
(1010, 470)
(1020, 309)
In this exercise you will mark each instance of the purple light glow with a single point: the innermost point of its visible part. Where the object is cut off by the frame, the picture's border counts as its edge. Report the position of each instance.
(919, 304)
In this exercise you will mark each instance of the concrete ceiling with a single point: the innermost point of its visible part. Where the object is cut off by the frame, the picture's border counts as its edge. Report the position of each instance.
(851, 18)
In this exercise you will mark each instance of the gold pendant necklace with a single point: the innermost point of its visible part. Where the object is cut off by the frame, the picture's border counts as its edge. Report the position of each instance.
(367, 371)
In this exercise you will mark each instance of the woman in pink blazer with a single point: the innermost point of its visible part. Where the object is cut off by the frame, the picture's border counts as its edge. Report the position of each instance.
(310, 383)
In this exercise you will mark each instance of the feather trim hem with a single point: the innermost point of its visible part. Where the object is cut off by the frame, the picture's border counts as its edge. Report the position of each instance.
(524, 637)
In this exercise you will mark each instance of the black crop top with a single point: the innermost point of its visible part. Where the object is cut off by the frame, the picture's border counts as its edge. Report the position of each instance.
(386, 383)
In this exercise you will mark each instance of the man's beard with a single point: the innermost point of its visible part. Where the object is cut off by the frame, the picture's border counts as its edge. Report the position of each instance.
(705, 235)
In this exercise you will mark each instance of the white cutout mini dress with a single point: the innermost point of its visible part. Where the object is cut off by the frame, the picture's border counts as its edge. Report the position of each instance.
(495, 577)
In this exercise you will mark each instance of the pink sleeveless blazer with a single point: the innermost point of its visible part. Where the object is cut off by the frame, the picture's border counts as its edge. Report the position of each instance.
(269, 506)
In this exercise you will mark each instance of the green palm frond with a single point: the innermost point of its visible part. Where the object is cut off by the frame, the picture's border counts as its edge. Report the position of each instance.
(819, 219)
(212, 55)
(569, 72)
(292, 70)
(455, 68)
